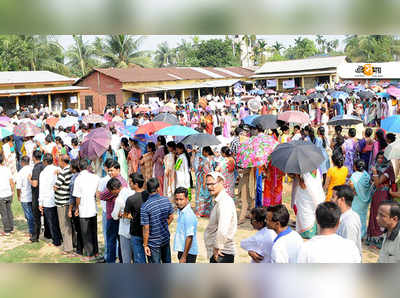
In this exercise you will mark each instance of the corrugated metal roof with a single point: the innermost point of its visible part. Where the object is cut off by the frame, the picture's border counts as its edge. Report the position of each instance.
(289, 74)
(31, 91)
(209, 84)
(301, 64)
(23, 77)
(208, 73)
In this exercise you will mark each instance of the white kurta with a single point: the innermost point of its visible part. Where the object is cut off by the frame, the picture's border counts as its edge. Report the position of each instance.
(182, 174)
(261, 243)
(286, 248)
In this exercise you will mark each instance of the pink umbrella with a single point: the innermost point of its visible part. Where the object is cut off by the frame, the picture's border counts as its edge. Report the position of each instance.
(26, 129)
(270, 91)
(5, 119)
(115, 124)
(392, 90)
(166, 109)
(256, 151)
(294, 116)
(95, 143)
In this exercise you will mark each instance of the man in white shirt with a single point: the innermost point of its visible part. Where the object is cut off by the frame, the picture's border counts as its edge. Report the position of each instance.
(259, 245)
(115, 140)
(122, 193)
(328, 247)
(85, 188)
(47, 205)
(350, 223)
(287, 242)
(24, 191)
(220, 232)
(6, 191)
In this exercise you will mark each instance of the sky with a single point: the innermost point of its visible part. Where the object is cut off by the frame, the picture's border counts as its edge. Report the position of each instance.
(151, 41)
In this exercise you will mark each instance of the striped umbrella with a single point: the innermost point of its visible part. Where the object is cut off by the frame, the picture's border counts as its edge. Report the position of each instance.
(27, 129)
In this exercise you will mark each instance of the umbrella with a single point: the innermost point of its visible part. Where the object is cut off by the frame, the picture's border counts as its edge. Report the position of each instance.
(128, 131)
(320, 88)
(339, 94)
(254, 105)
(5, 119)
(299, 98)
(72, 112)
(294, 116)
(141, 110)
(115, 124)
(201, 140)
(309, 91)
(5, 124)
(315, 95)
(270, 91)
(391, 124)
(93, 118)
(167, 118)
(366, 94)
(151, 127)
(177, 131)
(11, 112)
(52, 121)
(4, 132)
(27, 129)
(255, 151)
(247, 97)
(392, 151)
(67, 122)
(392, 90)
(166, 109)
(266, 121)
(346, 89)
(130, 104)
(344, 120)
(248, 120)
(297, 157)
(383, 94)
(25, 114)
(95, 143)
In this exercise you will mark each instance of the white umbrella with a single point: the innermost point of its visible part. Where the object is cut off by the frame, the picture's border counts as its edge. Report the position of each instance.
(392, 151)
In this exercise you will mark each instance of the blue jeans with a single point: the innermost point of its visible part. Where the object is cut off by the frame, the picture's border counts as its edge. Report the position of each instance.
(160, 254)
(126, 250)
(104, 225)
(112, 237)
(139, 256)
(27, 207)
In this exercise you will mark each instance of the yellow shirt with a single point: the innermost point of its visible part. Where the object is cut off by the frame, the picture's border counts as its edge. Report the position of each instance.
(337, 177)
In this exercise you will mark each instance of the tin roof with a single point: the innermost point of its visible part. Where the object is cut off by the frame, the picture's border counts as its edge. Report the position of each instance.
(24, 77)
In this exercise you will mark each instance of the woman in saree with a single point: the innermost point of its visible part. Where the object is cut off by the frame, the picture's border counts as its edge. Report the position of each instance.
(227, 169)
(227, 125)
(209, 123)
(365, 148)
(134, 157)
(158, 160)
(307, 195)
(360, 181)
(349, 150)
(203, 167)
(273, 186)
(383, 179)
(146, 162)
(169, 170)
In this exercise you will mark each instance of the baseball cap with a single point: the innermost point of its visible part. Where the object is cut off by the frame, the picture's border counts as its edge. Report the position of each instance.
(215, 175)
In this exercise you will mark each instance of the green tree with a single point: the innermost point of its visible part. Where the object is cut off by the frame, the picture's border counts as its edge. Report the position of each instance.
(215, 53)
(164, 55)
(277, 46)
(303, 48)
(321, 41)
(81, 56)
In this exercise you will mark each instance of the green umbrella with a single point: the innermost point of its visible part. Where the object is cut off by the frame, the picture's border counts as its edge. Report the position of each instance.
(5, 133)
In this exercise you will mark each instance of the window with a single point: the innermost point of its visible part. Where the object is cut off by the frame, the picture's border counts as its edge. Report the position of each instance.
(88, 101)
(111, 100)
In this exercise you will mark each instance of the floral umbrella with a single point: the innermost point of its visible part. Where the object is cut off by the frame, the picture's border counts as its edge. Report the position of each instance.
(255, 152)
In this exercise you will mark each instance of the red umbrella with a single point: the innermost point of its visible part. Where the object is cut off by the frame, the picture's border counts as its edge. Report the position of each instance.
(295, 117)
(247, 97)
(26, 129)
(309, 91)
(95, 143)
(52, 121)
(151, 127)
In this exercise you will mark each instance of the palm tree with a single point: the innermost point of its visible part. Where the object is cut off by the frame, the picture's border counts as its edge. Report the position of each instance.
(278, 47)
(321, 41)
(121, 51)
(164, 55)
(81, 56)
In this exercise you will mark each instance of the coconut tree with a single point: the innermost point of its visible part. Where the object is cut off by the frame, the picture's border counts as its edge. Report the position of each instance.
(81, 56)
(164, 55)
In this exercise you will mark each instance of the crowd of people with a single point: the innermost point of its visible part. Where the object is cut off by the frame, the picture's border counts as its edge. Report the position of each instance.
(143, 183)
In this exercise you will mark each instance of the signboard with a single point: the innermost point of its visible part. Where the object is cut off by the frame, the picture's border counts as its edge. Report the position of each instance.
(389, 70)
(271, 83)
(288, 84)
(74, 99)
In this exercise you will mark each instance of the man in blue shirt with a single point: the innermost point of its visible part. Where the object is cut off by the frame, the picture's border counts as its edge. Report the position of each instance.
(155, 216)
(185, 237)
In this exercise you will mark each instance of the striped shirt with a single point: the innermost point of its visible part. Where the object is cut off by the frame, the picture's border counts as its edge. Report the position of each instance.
(62, 194)
(155, 212)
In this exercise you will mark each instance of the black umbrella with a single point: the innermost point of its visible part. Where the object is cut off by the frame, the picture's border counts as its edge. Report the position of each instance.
(315, 95)
(167, 117)
(266, 121)
(346, 89)
(11, 112)
(297, 157)
(25, 114)
(330, 90)
(344, 120)
(366, 94)
(201, 140)
(299, 98)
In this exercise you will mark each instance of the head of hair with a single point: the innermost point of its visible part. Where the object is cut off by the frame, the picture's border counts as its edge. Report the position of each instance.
(1, 157)
(171, 144)
(339, 141)
(25, 159)
(338, 129)
(360, 165)
(152, 185)
(380, 135)
(182, 147)
(218, 131)
(65, 159)
(328, 215)
(352, 132)
(238, 131)
(208, 150)
(137, 178)
(346, 192)
(259, 215)
(284, 128)
(368, 132)
(48, 139)
(162, 140)
(297, 127)
(279, 214)
(113, 184)
(48, 158)
(394, 208)
(37, 155)
(114, 165)
(391, 137)
(75, 142)
(83, 164)
(338, 159)
(225, 150)
(321, 132)
(151, 146)
(75, 165)
(182, 190)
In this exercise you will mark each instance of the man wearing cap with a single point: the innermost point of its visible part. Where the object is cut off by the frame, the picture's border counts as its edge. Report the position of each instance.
(220, 232)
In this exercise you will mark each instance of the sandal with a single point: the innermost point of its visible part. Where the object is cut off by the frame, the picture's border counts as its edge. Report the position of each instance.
(4, 234)
(88, 259)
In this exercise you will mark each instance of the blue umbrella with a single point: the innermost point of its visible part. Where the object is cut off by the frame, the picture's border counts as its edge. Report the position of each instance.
(176, 130)
(339, 94)
(391, 124)
(5, 133)
(248, 120)
(383, 94)
(72, 112)
(260, 92)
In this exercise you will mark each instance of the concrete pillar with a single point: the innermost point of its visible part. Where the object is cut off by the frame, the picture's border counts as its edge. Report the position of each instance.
(49, 101)
(198, 93)
(183, 97)
(330, 81)
(165, 95)
(302, 82)
(142, 98)
(17, 102)
(231, 91)
(213, 91)
(78, 101)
